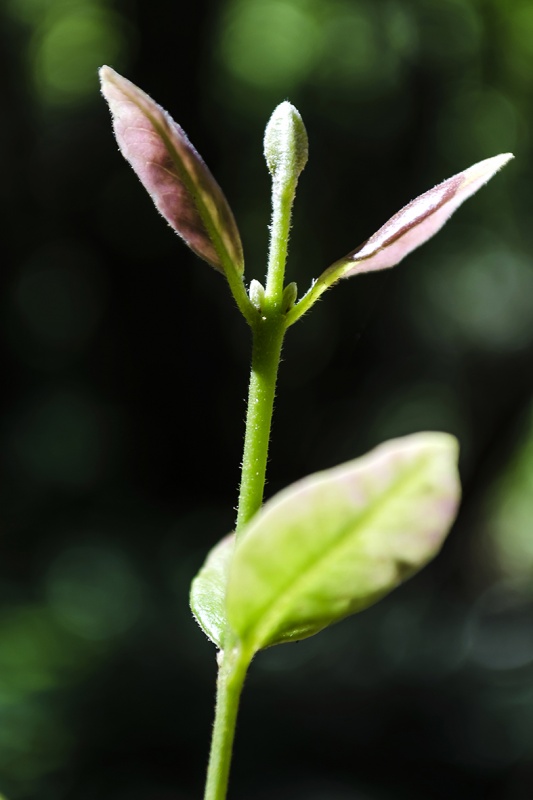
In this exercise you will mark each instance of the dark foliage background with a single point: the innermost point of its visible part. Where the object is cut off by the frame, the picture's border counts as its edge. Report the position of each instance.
(123, 400)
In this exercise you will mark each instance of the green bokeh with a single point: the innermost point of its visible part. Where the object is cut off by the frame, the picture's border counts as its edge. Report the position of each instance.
(270, 42)
(510, 513)
(68, 42)
(125, 373)
(93, 592)
(69, 48)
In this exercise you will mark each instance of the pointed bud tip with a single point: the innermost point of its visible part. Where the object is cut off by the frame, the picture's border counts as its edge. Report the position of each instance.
(285, 142)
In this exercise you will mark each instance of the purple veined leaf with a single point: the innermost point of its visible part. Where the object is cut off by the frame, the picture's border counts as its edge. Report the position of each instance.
(174, 174)
(415, 223)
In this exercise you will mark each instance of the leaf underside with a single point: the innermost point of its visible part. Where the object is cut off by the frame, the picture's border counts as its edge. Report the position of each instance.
(208, 591)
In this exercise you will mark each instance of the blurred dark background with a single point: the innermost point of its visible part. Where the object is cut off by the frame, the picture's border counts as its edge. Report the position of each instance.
(125, 367)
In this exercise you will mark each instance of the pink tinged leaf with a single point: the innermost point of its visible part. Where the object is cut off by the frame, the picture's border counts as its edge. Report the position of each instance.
(417, 222)
(174, 174)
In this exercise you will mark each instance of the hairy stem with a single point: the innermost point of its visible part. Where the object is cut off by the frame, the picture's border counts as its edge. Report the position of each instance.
(231, 674)
(268, 329)
(268, 339)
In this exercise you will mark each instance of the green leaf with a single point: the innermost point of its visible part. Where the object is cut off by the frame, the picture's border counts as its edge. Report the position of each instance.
(337, 541)
(208, 591)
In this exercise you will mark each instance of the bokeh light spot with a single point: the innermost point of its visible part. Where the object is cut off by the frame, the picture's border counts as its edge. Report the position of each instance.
(499, 630)
(450, 31)
(33, 742)
(60, 438)
(59, 297)
(492, 120)
(69, 46)
(31, 653)
(401, 29)
(37, 657)
(479, 298)
(94, 592)
(510, 512)
(270, 43)
(353, 51)
(32, 11)
(518, 50)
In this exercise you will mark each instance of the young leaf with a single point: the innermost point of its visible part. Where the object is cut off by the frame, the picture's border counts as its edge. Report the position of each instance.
(413, 225)
(418, 221)
(208, 591)
(337, 541)
(178, 181)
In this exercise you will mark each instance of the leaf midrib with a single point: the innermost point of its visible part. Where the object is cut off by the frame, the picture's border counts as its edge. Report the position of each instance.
(293, 587)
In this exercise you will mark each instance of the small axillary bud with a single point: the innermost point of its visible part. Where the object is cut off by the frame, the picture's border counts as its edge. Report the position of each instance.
(256, 294)
(285, 144)
(290, 293)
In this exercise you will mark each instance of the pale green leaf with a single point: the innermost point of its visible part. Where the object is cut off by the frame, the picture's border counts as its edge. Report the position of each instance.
(208, 591)
(337, 541)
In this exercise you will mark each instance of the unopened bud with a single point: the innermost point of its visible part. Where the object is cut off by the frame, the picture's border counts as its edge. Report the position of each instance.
(257, 294)
(290, 293)
(285, 143)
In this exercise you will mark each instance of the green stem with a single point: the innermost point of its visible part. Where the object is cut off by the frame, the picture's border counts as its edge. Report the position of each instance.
(231, 675)
(282, 200)
(318, 288)
(268, 329)
(267, 342)
(241, 298)
(268, 332)
(233, 663)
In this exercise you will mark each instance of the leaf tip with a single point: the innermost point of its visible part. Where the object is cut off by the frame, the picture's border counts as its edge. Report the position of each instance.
(107, 75)
(104, 72)
(483, 171)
